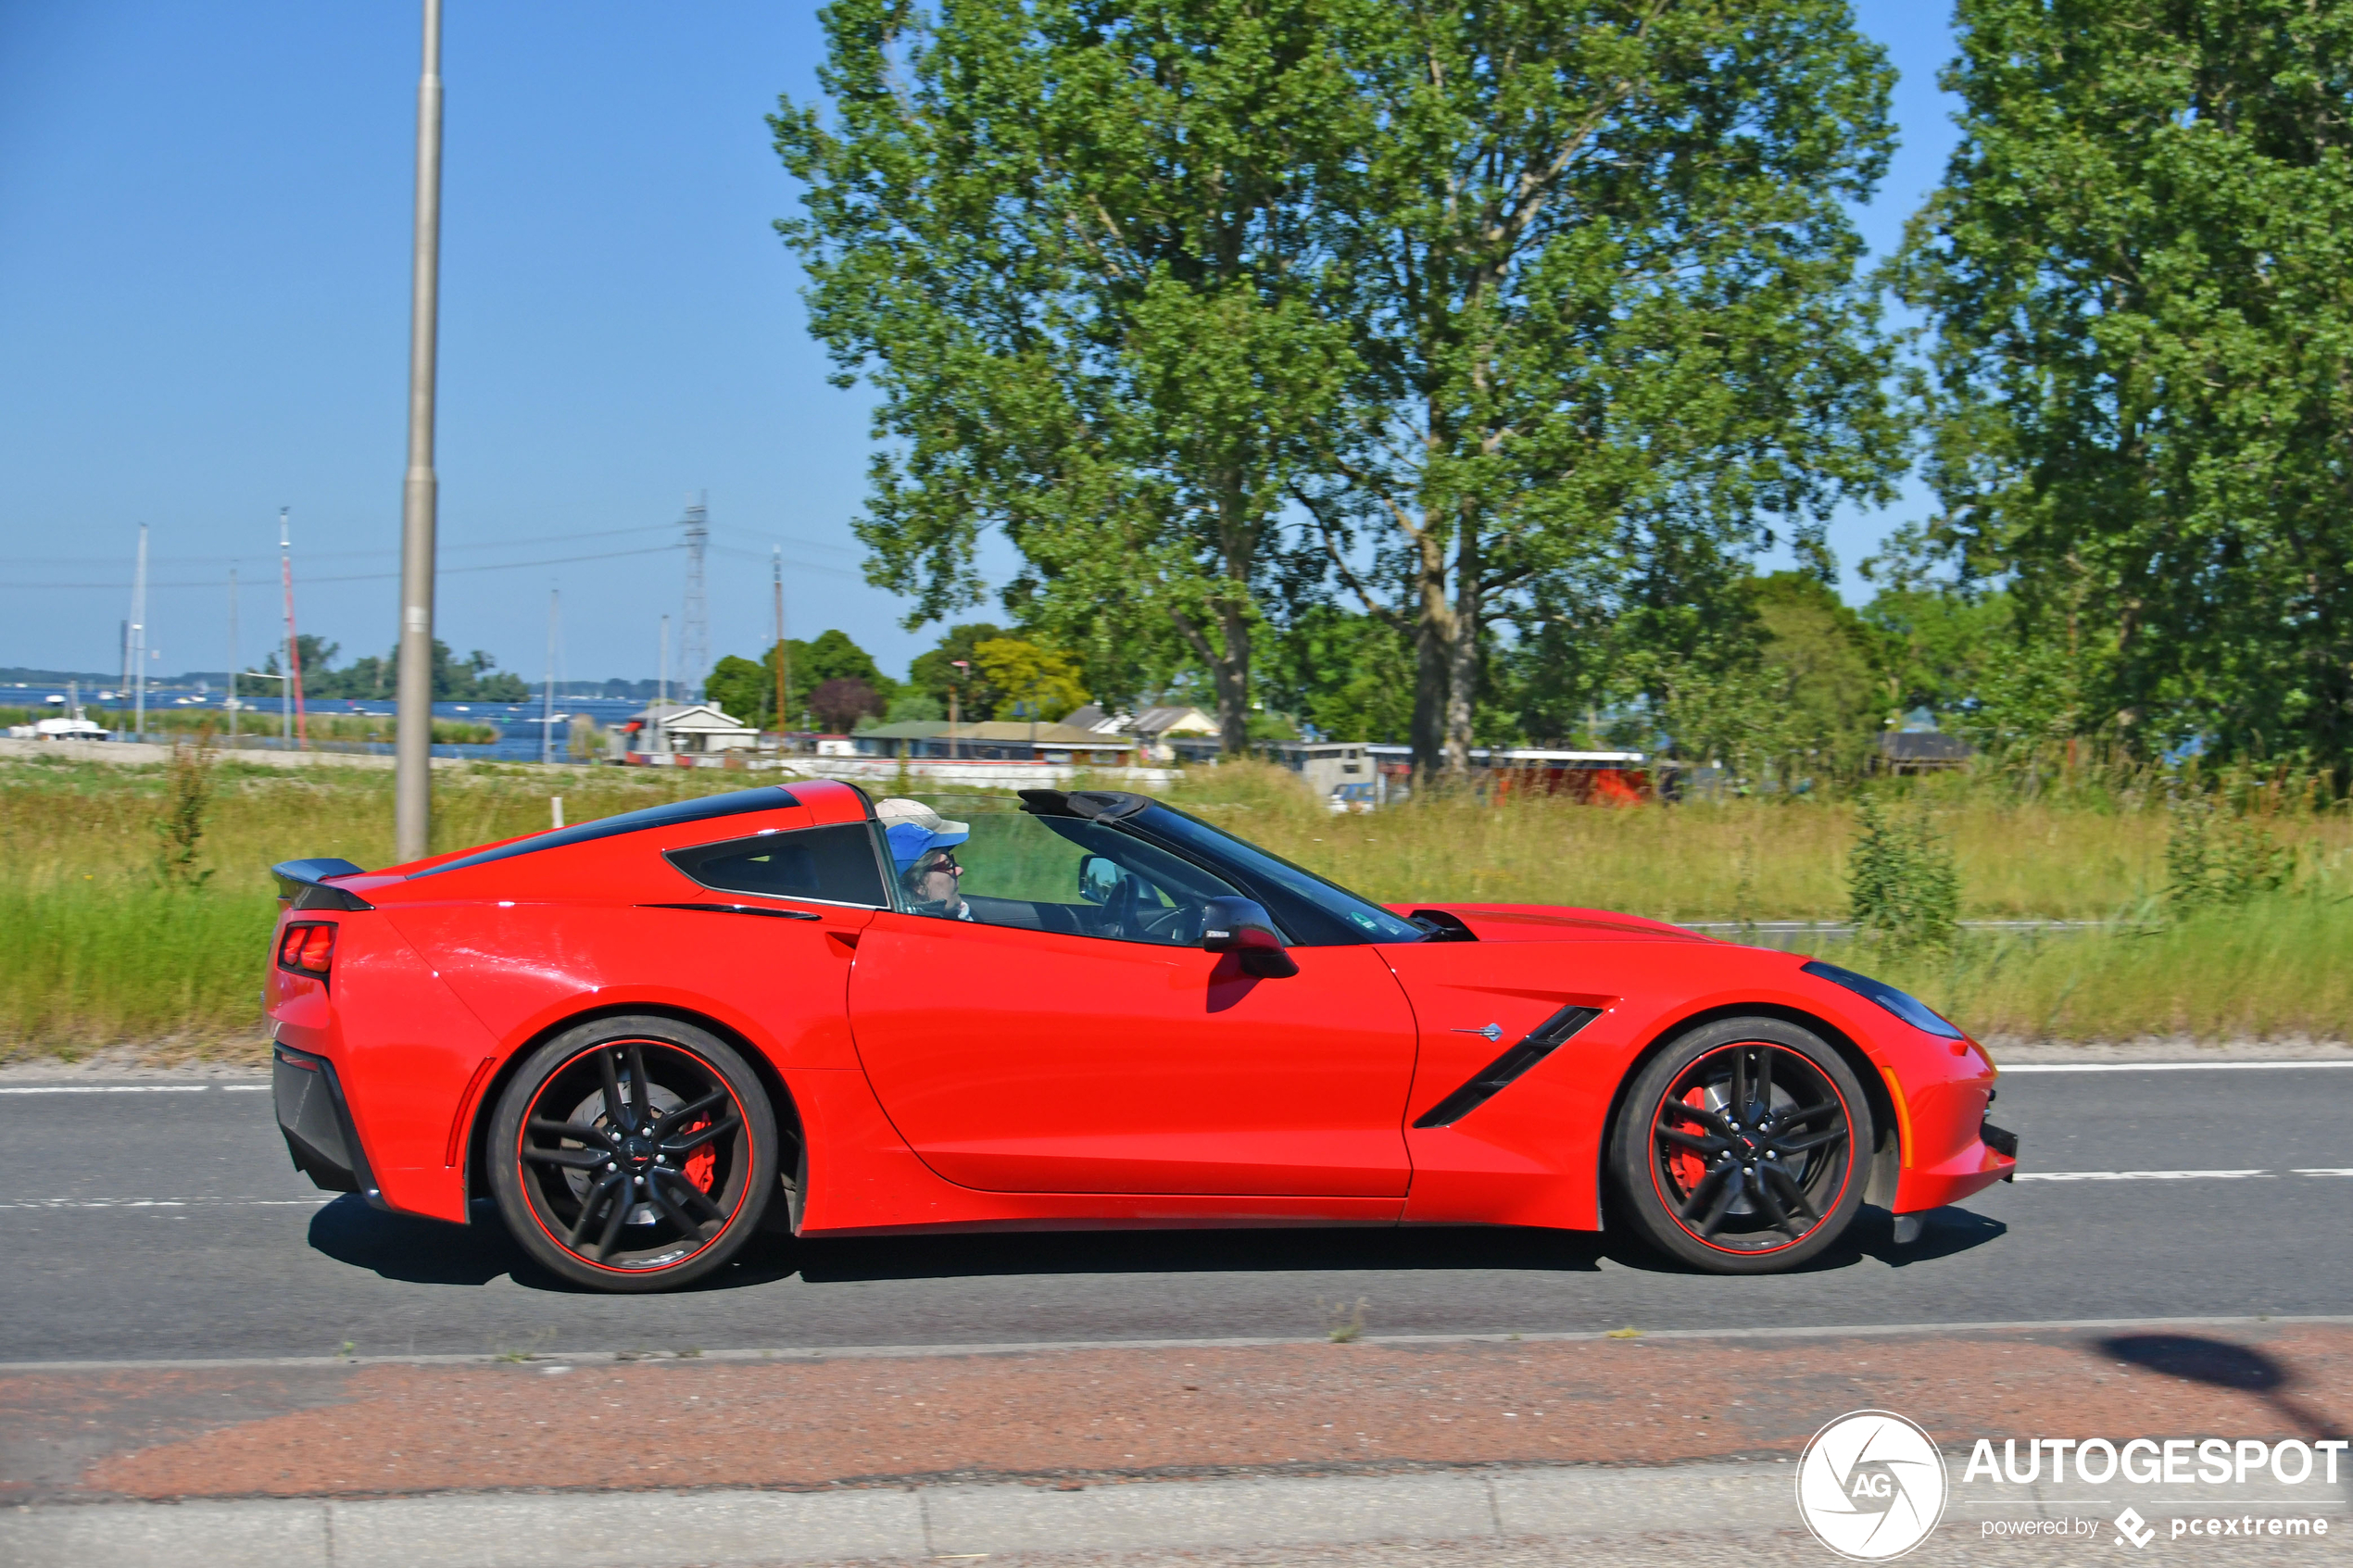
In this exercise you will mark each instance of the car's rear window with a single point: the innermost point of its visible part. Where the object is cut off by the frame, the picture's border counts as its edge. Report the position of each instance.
(769, 797)
(835, 864)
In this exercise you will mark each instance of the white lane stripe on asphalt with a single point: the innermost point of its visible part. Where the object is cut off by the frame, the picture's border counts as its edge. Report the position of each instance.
(171, 1202)
(2166, 1066)
(2137, 1175)
(134, 1088)
(109, 1089)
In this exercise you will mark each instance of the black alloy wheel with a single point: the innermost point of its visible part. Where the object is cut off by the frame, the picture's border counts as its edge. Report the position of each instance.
(1744, 1148)
(633, 1154)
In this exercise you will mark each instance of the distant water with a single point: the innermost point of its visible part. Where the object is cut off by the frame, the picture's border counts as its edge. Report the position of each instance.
(518, 722)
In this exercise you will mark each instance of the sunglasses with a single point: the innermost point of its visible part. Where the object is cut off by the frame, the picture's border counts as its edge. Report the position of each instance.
(946, 862)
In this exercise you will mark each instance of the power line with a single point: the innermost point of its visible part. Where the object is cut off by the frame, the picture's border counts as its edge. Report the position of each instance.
(385, 576)
(355, 555)
(478, 545)
(451, 571)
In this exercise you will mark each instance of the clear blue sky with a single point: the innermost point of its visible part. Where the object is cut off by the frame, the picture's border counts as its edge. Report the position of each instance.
(204, 296)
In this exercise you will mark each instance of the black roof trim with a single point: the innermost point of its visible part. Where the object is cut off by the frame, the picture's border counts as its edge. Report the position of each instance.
(1091, 804)
(303, 885)
(736, 803)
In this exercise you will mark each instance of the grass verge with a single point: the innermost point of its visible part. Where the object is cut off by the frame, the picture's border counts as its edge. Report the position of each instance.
(101, 948)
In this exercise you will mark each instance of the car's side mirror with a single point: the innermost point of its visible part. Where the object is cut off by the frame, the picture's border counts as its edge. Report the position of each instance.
(1243, 928)
(1097, 878)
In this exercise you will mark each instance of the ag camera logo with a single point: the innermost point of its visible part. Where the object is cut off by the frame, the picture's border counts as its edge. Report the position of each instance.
(1870, 1485)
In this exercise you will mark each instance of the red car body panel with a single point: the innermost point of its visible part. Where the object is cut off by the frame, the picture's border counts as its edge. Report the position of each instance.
(964, 1076)
(1016, 1060)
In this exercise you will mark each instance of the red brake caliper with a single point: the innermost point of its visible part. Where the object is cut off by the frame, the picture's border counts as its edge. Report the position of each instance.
(700, 1165)
(1689, 1167)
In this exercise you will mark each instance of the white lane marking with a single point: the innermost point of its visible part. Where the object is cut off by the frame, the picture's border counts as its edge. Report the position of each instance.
(136, 1089)
(2166, 1066)
(171, 1203)
(2325, 1170)
(2138, 1175)
(110, 1089)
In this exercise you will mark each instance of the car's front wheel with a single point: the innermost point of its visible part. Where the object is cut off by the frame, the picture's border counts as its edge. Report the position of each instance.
(633, 1153)
(1744, 1147)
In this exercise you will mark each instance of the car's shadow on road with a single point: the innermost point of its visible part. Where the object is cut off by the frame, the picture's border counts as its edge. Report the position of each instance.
(401, 1247)
(420, 1251)
(1446, 1249)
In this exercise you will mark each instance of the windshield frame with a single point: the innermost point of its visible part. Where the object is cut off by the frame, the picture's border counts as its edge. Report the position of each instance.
(1314, 910)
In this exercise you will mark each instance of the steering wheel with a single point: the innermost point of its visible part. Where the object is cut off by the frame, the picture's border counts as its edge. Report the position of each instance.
(1179, 926)
(1121, 907)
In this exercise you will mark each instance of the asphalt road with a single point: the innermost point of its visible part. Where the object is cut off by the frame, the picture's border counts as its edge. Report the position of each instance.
(168, 1223)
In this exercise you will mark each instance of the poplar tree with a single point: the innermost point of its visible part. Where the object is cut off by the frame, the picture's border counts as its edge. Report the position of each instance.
(1070, 245)
(2143, 376)
(1606, 329)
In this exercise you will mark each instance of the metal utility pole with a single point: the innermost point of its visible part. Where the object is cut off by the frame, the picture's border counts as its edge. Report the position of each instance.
(953, 683)
(661, 691)
(413, 763)
(138, 641)
(297, 722)
(547, 695)
(693, 631)
(233, 658)
(784, 682)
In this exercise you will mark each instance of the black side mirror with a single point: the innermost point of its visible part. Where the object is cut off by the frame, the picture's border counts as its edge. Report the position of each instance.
(1243, 928)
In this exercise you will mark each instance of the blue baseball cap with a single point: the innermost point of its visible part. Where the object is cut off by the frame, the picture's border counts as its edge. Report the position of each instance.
(914, 828)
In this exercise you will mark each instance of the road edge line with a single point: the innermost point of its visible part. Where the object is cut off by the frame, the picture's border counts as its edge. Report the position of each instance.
(755, 1355)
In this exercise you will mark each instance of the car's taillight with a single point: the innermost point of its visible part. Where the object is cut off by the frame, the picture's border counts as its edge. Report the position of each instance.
(307, 947)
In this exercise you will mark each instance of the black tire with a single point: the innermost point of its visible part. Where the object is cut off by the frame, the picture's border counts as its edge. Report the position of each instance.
(1743, 1188)
(633, 1154)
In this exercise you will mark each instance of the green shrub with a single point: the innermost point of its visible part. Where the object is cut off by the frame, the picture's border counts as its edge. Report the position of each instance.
(2217, 858)
(1904, 887)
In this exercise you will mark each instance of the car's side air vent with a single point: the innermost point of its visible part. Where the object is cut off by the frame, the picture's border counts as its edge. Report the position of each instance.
(1490, 1080)
(1443, 926)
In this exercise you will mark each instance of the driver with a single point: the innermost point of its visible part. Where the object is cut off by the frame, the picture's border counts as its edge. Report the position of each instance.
(922, 849)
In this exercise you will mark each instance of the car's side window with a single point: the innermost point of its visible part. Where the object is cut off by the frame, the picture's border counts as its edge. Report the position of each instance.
(827, 865)
(1065, 874)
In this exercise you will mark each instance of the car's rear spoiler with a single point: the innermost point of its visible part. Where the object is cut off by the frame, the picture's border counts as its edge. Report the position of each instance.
(303, 885)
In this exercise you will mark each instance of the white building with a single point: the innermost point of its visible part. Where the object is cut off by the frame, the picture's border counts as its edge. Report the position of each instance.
(683, 735)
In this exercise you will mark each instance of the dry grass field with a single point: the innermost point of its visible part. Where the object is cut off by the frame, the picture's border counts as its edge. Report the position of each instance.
(103, 946)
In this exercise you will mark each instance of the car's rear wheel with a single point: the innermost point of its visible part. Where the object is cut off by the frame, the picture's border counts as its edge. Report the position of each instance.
(1742, 1148)
(633, 1153)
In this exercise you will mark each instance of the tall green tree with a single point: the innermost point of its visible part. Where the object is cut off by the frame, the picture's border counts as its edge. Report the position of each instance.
(2143, 359)
(1349, 676)
(746, 690)
(1823, 661)
(936, 672)
(474, 678)
(1606, 330)
(1068, 243)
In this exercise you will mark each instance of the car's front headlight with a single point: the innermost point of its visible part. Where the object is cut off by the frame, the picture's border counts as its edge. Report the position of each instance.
(1911, 1009)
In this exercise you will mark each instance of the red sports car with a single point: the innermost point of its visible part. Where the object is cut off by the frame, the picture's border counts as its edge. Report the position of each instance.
(646, 1038)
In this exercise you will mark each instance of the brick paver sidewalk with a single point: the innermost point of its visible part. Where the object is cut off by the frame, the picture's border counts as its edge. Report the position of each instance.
(1074, 1416)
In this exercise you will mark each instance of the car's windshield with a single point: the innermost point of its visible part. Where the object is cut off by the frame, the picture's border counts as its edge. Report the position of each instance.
(1313, 912)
